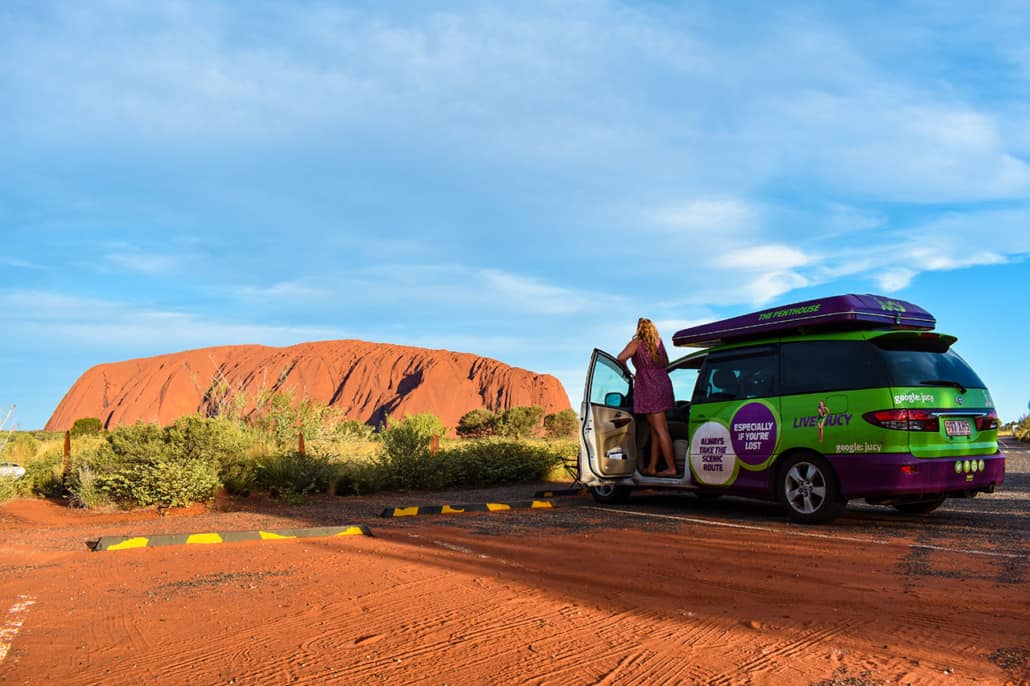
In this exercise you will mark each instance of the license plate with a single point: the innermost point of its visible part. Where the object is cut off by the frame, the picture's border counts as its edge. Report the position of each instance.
(957, 427)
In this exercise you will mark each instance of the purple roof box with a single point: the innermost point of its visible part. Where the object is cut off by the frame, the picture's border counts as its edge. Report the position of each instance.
(839, 312)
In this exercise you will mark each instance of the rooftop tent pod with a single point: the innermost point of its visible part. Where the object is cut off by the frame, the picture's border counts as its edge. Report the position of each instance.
(840, 312)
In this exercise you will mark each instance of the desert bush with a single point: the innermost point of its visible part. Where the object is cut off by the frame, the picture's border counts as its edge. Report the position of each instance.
(218, 439)
(519, 422)
(405, 459)
(1022, 428)
(281, 419)
(295, 475)
(145, 464)
(561, 424)
(175, 482)
(359, 478)
(238, 474)
(44, 476)
(86, 489)
(21, 448)
(11, 488)
(476, 423)
(86, 425)
(488, 462)
(137, 442)
(352, 430)
(412, 434)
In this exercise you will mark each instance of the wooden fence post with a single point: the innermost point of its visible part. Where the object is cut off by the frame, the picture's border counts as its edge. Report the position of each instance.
(300, 443)
(67, 453)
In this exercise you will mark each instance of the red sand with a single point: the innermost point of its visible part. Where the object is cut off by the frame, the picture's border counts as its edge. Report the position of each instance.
(537, 601)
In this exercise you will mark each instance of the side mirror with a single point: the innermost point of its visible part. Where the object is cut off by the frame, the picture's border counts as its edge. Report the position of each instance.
(614, 399)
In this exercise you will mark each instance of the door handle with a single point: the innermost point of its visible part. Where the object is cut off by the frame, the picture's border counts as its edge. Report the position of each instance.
(620, 422)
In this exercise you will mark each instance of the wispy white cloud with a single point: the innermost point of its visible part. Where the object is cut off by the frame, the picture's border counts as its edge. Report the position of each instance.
(18, 263)
(123, 325)
(763, 258)
(520, 292)
(142, 263)
(286, 290)
(707, 216)
(894, 279)
(489, 291)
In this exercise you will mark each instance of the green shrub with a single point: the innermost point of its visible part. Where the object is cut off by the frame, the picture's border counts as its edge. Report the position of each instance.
(145, 464)
(411, 435)
(406, 459)
(44, 475)
(11, 488)
(477, 423)
(21, 448)
(175, 482)
(359, 478)
(218, 439)
(352, 430)
(138, 443)
(519, 422)
(561, 424)
(86, 489)
(238, 475)
(86, 426)
(281, 419)
(486, 463)
(1022, 429)
(293, 475)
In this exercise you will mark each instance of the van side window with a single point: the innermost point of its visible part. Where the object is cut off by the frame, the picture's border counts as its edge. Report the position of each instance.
(737, 375)
(820, 366)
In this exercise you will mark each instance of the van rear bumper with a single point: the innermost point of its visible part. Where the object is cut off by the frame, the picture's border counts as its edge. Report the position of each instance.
(881, 475)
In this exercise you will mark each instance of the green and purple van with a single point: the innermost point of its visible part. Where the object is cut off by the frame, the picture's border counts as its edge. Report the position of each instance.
(812, 404)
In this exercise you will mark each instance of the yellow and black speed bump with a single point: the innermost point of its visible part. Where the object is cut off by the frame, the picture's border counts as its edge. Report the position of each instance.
(561, 491)
(127, 542)
(455, 509)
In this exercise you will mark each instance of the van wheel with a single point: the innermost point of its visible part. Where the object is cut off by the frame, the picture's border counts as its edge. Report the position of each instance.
(919, 506)
(807, 487)
(610, 494)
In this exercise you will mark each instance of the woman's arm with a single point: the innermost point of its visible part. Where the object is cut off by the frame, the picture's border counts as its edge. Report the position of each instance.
(628, 351)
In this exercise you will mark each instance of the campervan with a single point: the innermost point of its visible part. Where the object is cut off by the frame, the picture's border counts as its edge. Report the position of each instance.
(812, 404)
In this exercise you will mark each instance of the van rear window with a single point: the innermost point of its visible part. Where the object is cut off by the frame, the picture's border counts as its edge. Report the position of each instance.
(928, 368)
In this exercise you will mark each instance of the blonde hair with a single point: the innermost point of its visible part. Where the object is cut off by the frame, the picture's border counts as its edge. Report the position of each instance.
(648, 335)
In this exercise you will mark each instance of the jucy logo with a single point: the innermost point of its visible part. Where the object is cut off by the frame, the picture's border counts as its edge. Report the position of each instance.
(822, 419)
(890, 305)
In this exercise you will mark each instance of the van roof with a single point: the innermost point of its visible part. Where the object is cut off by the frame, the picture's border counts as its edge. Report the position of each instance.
(836, 313)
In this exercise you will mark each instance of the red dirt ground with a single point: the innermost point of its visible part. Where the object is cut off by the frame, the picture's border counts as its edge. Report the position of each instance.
(574, 595)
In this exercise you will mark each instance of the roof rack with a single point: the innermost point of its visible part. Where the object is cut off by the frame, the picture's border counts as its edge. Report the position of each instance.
(836, 313)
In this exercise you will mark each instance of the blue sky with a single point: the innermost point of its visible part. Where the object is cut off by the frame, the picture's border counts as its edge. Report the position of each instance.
(516, 180)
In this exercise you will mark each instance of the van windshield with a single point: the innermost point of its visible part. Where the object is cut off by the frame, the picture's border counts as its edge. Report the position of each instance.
(912, 363)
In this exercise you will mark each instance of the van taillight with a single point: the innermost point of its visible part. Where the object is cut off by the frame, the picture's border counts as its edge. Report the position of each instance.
(904, 420)
(988, 422)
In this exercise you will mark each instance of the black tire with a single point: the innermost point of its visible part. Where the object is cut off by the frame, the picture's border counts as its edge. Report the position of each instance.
(807, 487)
(610, 494)
(919, 506)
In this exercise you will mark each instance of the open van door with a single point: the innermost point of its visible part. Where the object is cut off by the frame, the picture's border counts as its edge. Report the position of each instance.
(608, 435)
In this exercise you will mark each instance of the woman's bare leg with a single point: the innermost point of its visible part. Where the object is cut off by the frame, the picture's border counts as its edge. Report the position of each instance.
(650, 465)
(661, 428)
(655, 449)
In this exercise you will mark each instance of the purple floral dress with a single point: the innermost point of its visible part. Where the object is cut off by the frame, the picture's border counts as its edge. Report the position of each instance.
(652, 388)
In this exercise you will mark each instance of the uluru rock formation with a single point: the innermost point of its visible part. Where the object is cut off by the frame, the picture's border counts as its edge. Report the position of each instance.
(366, 381)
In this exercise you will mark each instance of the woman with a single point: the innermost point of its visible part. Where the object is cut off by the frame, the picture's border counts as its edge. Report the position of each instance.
(652, 393)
